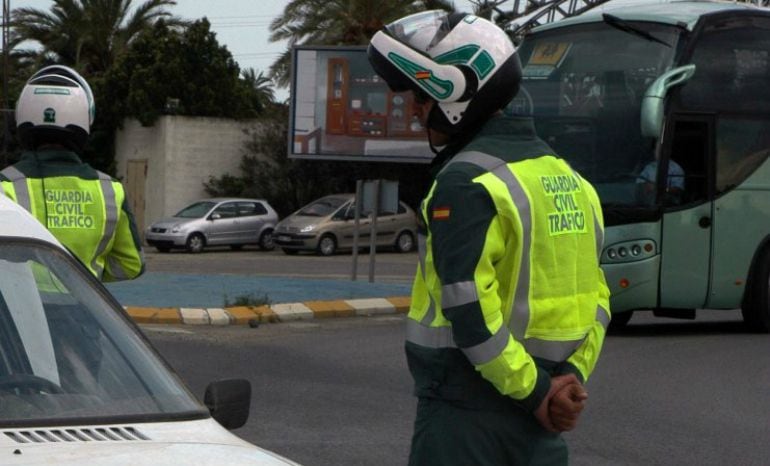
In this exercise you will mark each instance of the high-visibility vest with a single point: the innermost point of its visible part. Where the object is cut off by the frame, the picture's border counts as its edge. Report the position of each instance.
(551, 300)
(85, 215)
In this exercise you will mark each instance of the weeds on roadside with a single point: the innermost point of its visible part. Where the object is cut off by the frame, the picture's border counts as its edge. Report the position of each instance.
(251, 299)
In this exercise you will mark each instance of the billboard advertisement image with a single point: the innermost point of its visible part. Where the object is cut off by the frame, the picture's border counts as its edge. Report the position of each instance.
(342, 110)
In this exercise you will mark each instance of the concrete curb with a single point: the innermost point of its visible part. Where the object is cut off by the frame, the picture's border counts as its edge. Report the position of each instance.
(284, 312)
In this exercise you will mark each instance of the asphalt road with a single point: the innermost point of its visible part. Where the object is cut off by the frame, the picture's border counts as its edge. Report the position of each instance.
(337, 392)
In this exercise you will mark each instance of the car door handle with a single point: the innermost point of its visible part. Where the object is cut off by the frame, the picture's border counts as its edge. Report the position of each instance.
(704, 222)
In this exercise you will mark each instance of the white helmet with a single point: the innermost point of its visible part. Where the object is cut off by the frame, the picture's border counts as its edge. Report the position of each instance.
(55, 106)
(465, 63)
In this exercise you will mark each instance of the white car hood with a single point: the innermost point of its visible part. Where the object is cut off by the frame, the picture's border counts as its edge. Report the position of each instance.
(179, 443)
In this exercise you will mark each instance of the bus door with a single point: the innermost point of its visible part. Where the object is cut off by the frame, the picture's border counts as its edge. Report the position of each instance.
(683, 188)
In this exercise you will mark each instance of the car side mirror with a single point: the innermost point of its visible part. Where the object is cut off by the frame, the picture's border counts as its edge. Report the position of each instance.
(229, 402)
(215, 216)
(653, 103)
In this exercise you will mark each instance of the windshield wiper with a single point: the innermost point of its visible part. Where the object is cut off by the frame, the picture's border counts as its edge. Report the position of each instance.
(625, 26)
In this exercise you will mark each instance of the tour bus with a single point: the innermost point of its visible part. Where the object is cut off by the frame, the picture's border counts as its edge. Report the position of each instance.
(665, 108)
(79, 383)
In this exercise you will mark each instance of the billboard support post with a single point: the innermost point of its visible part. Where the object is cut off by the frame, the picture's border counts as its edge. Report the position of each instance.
(374, 213)
(372, 198)
(359, 188)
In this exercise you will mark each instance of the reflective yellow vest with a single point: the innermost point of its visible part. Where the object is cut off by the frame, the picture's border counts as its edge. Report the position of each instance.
(88, 216)
(538, 282)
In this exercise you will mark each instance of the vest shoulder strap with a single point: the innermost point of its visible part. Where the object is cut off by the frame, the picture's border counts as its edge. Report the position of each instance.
(480, 159)
(13, 173)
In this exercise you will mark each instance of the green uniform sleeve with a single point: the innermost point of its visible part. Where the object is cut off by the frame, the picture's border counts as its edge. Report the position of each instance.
(462, 218)
(125, 260)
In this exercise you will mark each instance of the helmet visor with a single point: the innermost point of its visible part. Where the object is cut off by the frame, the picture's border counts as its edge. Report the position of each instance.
(421, 31)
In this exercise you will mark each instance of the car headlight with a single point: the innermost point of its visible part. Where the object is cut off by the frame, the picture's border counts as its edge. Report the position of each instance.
(176, 229)
(307, 229)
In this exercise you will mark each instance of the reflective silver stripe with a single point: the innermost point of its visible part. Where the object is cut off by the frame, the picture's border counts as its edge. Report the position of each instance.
(116, 269)
(551, 350)
(485, 161)
(441, 337)
(488, 350)
(110, 221)
(520, 312)
(457, 294)
(603, 316)
(599, 233)
(20, 186)
(12, 173)
(561, 350)
(430, 337)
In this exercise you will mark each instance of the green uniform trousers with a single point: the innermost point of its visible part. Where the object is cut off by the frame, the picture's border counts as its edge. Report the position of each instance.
(448, 435)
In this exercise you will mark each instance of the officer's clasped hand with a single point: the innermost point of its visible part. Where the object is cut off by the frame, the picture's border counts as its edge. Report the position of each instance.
(566, 405)
(560, 409)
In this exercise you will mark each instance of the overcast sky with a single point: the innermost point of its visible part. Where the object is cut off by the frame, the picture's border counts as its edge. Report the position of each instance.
(241, 25)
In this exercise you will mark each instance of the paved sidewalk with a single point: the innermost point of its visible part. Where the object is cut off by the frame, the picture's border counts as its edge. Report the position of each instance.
(163, 298)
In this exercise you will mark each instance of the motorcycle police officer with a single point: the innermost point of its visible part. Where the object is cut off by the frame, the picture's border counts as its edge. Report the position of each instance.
(84, 208)
(509, 305)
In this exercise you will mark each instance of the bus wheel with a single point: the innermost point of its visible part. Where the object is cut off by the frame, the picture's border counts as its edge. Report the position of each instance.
(619, 320)
(756, 302)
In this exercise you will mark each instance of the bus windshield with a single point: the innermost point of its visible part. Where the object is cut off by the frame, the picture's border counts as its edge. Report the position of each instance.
(584, 86)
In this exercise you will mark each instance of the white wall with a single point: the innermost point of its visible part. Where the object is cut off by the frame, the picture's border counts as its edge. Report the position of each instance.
(181, 153)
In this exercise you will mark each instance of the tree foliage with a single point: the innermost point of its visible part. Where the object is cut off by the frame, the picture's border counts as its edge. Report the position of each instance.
(337, 22)
(88, 34)
(170, 72)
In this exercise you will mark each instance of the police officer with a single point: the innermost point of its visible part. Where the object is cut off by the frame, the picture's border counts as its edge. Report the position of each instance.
(509, 305)
(84, 208)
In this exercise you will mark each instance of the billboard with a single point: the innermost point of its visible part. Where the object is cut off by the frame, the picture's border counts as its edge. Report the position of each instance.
(341, 110)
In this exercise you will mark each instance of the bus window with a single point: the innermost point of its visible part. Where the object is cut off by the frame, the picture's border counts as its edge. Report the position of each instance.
(732, 61)
(687, 178)
(683, 179)
(742, 145)
(584, 87)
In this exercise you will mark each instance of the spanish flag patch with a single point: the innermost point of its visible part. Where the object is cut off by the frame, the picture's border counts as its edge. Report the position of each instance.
(441, 213)
(422, 74)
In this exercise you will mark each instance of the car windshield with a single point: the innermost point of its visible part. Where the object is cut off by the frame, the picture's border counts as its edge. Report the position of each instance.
(66, 351)
(584, 86)
(322, 207)
(197, 210)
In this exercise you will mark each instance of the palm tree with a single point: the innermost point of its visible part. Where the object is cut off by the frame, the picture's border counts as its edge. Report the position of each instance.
(88, 34)
(337, 22)
(262, 85)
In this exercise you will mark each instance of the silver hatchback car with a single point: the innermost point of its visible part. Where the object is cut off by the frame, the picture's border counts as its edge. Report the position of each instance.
(230, 222)
(327, 225)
